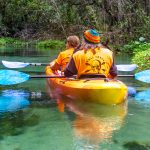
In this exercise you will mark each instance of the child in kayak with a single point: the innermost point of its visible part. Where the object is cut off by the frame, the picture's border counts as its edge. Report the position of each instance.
(63, 58)
(94, 60)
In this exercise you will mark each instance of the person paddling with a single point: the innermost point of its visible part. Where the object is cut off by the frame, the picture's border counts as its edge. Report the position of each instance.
(63, 58)
(94, 60)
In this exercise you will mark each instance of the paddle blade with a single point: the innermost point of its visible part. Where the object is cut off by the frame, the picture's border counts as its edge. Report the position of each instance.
(126, 67)
(9, 77)
(143, 76)
(9, 64)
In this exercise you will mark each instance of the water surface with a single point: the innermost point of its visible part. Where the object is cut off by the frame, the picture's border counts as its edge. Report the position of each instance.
(31, 119)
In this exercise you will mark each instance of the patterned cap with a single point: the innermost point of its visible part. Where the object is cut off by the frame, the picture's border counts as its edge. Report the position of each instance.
(92, 36)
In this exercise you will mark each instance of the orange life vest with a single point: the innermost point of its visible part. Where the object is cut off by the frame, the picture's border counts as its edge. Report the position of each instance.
(64, 57)
(89, 63)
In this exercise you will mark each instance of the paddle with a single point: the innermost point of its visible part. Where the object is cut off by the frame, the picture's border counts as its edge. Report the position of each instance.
(10, 77)
(143, 76)
(9, 64)
(126, 67)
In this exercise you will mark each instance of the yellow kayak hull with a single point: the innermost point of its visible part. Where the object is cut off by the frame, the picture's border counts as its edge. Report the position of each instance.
(93, 90)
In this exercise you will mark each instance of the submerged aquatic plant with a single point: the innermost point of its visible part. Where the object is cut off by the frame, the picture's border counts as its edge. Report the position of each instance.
(136, 146)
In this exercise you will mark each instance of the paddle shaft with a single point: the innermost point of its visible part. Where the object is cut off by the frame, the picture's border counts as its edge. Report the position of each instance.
(126, 75)
(10, 77)
(56, 76)
(8, 64)
(46, 76)
(38, 64)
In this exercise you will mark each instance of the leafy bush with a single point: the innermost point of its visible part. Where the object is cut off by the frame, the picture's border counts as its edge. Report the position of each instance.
(142, 59)
(10, 41)
(53, 44)
(2, 42)
(135, 46)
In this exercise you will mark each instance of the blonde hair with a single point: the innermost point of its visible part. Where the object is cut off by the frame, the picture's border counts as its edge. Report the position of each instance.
(73, 41)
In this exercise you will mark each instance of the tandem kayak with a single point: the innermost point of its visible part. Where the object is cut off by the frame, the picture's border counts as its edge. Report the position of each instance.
(98, 90)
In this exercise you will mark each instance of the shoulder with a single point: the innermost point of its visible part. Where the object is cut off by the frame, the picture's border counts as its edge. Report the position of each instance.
(106, 50)
(80, 52)
(63, 52)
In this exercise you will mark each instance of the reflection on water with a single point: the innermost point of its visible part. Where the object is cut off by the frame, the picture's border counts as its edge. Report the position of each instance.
(143, 98)
(29, 51)
(85, 125)
(30, 55)
(12, 103)
(93, 123)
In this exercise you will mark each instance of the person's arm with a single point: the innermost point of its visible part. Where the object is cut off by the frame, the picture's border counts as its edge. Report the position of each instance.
(71, 69)
(55, 66)
(113, 70)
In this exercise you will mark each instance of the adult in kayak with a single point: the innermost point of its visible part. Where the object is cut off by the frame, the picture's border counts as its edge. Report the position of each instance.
(94, 60)
(63, 58)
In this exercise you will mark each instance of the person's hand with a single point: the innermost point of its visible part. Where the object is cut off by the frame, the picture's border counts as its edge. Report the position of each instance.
(52, 63)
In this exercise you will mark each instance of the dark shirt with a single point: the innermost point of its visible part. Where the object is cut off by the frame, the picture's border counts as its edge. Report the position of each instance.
(113, 70)
(71, 69)
(77, 49)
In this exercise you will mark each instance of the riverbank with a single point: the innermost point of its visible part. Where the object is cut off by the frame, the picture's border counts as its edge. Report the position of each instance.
(52, 44)
(140, 50)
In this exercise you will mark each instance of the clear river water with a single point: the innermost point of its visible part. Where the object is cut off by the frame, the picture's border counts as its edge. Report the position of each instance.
(30, 119)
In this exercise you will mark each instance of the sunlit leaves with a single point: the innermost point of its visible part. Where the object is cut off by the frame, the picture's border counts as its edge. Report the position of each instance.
(142, 59)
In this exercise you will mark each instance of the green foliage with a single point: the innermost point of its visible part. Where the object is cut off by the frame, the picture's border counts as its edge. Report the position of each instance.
(135, 46)
(41, 19)
(53, 44)
(142, 59)
(142, 24)
(11, 41)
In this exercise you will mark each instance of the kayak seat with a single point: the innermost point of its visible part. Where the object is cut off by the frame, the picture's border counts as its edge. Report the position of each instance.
(83, 76)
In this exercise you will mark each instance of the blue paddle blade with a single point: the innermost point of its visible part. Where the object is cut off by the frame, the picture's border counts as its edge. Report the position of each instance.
(9, 77)
(143, 76)
(13, 103)
(143, 96)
